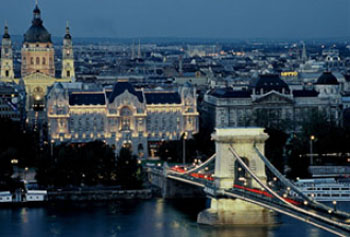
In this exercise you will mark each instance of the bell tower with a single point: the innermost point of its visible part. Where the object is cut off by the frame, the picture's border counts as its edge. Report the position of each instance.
(68, 70)
(6, 56)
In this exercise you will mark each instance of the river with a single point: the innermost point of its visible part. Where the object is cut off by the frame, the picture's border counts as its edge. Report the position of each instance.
(156, 217)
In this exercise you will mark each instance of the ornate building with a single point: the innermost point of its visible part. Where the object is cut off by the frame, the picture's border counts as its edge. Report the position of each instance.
(122, 116)
(38, 63)
(270, 101)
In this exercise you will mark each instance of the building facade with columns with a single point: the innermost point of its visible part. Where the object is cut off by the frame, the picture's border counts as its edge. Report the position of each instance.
(37, 63)
(121, 116)
(269, 101)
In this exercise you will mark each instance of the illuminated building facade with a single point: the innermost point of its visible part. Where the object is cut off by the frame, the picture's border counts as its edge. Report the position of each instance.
(122, 116)
(269, 101)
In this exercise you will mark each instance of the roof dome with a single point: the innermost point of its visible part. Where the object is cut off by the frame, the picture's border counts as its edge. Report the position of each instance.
(6, 34)
(122, 86)
(37, 32)
(327, 78)
(67, 35)
(269, 82)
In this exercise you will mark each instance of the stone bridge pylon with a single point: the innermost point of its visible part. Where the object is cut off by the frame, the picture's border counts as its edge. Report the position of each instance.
(229, 172)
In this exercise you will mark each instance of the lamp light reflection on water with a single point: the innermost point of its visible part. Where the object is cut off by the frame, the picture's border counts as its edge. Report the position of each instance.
(159, 208)
(24, 215)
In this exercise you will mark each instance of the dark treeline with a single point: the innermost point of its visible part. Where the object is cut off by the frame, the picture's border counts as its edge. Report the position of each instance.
(90, 164)
(16, 146)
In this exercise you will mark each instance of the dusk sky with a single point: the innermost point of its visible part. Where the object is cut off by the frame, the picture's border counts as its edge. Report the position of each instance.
(184, 18)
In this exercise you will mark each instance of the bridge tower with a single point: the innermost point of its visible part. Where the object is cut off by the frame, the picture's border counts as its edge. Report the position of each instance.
(234, 211)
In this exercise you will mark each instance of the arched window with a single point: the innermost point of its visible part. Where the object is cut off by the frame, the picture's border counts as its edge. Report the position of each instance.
(37, 60)
(68, 73)
(44, 61)
(32, 60)
(125, 114)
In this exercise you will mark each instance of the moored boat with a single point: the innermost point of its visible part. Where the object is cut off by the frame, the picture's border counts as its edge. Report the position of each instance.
(326, 189)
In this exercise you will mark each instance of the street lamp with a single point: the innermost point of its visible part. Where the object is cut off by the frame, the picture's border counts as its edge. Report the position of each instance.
(312, 138)
(184, 148)
(25, 174)
(335, 205)
(14, 161)
(51, 147)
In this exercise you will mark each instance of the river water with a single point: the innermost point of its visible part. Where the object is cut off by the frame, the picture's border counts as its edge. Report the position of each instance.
(156, 217)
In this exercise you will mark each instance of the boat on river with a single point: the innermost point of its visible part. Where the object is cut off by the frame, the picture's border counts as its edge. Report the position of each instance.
(325, 189)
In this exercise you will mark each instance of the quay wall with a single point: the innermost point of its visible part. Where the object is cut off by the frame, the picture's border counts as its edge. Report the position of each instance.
(98, 195)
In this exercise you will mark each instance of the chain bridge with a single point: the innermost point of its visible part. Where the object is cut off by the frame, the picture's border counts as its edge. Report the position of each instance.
(235, 180)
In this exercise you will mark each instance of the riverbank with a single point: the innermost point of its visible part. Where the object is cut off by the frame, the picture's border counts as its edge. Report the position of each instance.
(98, 195)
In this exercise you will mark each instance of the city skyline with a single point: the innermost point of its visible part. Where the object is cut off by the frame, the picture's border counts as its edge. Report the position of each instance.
(199, 19)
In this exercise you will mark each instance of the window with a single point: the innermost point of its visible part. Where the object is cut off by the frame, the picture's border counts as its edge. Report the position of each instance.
(32, 60)
(125, 123)
(37, 60)
(125, 113)
(68, 73)
(44, 61)
(7, 73)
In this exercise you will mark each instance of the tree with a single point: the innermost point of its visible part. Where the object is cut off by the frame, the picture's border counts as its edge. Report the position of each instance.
(274, 146)
(297, 163)
(170, 151)
(15, 144)
(6, 171)
(128, 170)
(199, 145)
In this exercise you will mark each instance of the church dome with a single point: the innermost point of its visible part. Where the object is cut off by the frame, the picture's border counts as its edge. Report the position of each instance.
(37, 32)
(327, 78)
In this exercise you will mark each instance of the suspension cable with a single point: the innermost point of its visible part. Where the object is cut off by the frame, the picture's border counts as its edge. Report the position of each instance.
(288, 183)
(239, 159)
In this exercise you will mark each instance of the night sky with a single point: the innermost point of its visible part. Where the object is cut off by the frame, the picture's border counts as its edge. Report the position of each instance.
(184, 18)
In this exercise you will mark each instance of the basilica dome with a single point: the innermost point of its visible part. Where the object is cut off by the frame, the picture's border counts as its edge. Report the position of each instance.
(37, 32)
